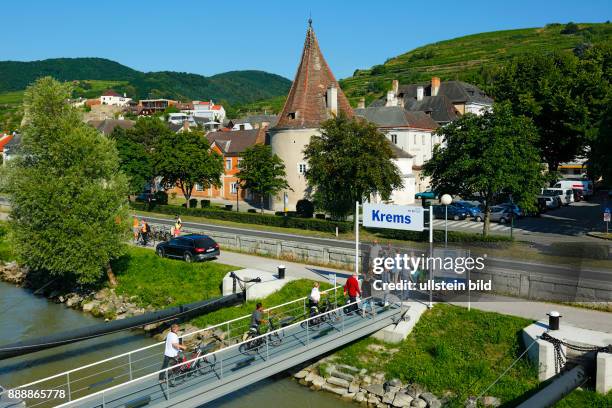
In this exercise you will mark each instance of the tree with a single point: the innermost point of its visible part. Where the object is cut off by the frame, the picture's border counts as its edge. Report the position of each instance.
(600, 156)
(350, 161)
(134, 160)
(488, 155)
(262, 171)
(68, 207)
(185, 159)
(543, 87)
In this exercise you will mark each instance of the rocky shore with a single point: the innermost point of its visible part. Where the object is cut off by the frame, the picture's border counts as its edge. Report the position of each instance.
(371, 389)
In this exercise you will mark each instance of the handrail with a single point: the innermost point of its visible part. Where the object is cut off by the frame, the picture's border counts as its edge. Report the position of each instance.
(156, 344)
(209, 354)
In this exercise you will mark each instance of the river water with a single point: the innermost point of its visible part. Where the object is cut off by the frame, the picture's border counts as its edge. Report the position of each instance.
(23, 315)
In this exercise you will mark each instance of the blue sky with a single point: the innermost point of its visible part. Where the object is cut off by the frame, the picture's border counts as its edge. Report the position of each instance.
(208, 37)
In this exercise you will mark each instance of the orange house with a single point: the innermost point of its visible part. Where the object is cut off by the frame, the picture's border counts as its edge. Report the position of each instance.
(230, 145)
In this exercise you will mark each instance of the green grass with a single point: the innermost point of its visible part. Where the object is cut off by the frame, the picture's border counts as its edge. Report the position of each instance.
(451, 349)
(15, 97)
(162, 282)
(586, 398)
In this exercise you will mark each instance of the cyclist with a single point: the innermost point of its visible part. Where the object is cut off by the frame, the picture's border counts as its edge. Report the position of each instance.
(256, 319)
(173, 346)
(145, 230)
(313, 299)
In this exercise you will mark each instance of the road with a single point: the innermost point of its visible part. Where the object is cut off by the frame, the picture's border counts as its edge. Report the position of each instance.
(560, 271)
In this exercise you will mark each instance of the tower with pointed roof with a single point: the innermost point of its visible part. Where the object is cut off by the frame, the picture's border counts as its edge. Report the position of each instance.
(314, 97)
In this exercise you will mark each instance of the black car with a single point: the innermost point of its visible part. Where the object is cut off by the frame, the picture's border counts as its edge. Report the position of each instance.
(192, 247)
(454, 212)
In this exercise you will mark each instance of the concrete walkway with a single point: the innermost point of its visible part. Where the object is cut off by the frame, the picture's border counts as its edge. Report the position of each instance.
(579, 317)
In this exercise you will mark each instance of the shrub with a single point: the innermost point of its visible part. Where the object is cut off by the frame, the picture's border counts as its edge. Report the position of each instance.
(250, 218)
(161, 198)
(320, 216)
(570, 28)
(304, 208)
(252, 211)
(204, 203)
(193, 202)
(228, 207)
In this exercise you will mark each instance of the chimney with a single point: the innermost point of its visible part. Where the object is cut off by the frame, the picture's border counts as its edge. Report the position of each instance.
(420, 93)
(395, 87)
(332, 100)
(435, 86)
(361, 103)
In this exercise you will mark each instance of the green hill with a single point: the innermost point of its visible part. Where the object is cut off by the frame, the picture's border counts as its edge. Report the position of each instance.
(232, 87)
(473, 58)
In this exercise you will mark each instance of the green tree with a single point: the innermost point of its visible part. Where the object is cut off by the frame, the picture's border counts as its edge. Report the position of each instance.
(262, 171)
(185, 159)
(350, 161)
(134, 160)
(600, 156)
(68, 206)
(488, 155)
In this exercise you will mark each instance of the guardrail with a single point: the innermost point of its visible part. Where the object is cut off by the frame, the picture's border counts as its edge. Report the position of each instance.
(114, 394)
(126, 367)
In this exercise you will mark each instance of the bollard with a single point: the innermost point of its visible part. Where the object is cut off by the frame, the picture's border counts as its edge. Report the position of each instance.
(281, 271)
(553, 320)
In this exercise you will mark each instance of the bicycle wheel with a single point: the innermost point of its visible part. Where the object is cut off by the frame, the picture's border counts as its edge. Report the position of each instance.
(176, 377)
(276, 338)
(206, 364)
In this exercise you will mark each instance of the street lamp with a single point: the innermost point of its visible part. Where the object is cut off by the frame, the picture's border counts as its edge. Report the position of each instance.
(446, 199)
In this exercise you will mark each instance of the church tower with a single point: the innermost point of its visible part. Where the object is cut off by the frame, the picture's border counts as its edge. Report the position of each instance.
(314, 97)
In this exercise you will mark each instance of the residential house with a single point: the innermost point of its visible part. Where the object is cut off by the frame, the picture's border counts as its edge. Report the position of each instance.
(208, 114)
(412, 132)
(107, 126)
(254, 121)
(230, 145)
(148, 107)
(111, 97)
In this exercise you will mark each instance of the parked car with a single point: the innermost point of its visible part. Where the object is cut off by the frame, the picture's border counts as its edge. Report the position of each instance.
(428, 195)
(516, 210)
(472, 209)
(498, 213)
(454, 212)
(551, 201)
(566, 197)
(192, 247)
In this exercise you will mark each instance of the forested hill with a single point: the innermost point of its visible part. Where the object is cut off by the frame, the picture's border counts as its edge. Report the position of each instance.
(473, 58)
(233, 87)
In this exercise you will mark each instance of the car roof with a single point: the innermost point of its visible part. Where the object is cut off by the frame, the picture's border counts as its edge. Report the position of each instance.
(194, 236)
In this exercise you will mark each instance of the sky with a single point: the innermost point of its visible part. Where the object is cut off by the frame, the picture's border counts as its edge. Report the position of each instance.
(209, 37)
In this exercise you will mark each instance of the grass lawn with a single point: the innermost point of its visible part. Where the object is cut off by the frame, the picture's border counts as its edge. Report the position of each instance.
(162, 282)
(453, 350)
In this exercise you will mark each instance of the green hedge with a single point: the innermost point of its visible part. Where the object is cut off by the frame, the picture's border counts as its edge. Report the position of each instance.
(423, 236)
(250, 218)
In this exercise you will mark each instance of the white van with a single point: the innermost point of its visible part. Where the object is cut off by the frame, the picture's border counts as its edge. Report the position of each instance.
(579, 184)
(566, 197)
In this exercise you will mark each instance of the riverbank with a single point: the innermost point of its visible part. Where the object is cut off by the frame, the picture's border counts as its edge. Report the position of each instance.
(451, 356)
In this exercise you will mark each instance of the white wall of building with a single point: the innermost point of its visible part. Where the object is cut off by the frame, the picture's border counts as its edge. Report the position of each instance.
(114, 100)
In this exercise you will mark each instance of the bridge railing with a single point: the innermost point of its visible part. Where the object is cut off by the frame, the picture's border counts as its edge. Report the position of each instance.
(219, 362)
(116, 370)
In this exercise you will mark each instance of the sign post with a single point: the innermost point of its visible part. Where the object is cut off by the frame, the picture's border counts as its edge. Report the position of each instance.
(606, 218)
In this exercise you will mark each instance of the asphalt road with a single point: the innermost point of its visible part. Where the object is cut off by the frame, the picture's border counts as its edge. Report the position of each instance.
(568, 272)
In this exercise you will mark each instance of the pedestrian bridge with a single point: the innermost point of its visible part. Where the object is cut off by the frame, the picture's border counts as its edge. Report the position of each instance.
(132, 379)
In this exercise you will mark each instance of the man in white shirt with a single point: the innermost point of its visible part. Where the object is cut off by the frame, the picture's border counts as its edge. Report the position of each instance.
(171, 350)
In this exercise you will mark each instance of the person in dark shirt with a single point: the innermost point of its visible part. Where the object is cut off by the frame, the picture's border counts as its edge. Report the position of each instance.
(257, 317)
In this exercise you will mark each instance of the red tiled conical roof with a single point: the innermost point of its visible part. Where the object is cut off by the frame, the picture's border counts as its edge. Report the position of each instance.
(306, 105)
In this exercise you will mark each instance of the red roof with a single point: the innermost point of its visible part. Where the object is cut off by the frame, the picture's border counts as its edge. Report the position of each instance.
(110, 92)
(306, 105)
(4, 139)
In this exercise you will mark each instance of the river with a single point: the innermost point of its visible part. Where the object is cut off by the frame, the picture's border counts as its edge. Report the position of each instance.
(23, 315)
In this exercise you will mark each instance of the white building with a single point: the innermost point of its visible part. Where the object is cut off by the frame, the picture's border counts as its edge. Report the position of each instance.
(412, 132)
(112, 98)
(208, 112)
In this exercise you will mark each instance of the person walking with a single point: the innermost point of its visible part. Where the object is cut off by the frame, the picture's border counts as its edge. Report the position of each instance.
(366, 293)
(171, 350)
(178, 224)
(145, 229)
(351, 287)
(135, 228)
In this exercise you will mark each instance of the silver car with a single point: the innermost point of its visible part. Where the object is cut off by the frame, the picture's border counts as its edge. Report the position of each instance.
(498, 214)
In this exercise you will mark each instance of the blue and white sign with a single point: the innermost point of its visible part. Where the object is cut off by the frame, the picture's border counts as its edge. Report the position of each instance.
(402, 217)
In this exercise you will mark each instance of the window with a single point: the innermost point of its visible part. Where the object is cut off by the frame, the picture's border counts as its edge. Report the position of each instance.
(302, 168)
(199, 187)
(228, 164)
(234, 188)
(238, 164)
(394, 139)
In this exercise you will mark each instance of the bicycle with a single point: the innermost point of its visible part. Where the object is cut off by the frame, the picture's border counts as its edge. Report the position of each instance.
(320, 315)
(275, 337)
(202, 366)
